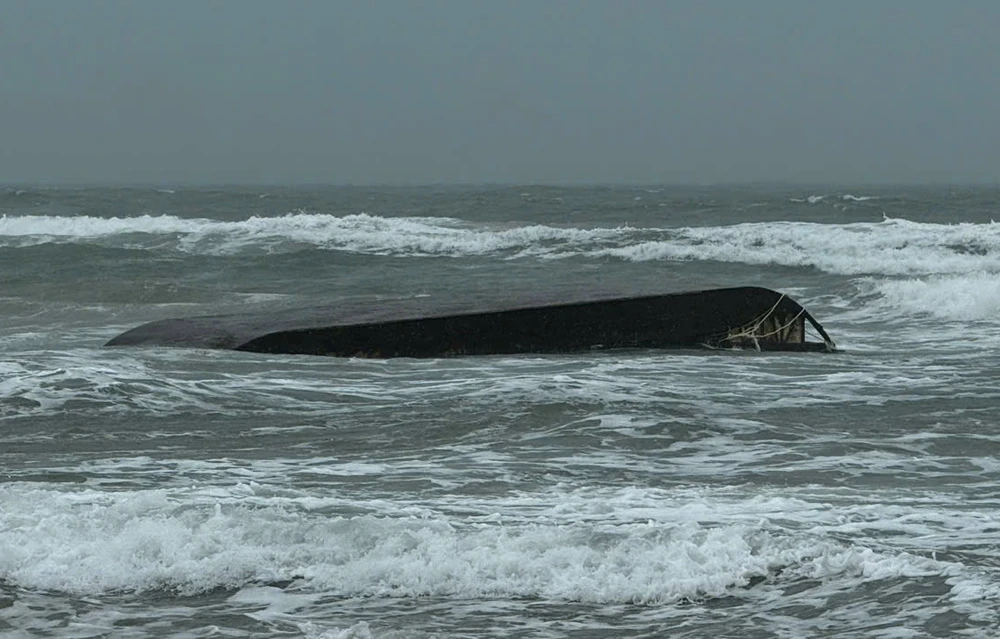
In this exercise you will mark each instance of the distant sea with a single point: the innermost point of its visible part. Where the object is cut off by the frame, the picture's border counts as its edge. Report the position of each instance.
(152, 492)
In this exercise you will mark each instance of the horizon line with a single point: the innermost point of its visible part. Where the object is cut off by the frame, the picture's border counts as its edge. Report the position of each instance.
(486, 184)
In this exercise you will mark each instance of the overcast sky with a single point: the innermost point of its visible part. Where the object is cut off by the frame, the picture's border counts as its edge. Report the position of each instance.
(531, 91)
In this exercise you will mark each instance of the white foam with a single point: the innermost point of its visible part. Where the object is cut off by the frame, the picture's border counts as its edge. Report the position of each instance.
(811, 199)
(85, 226)
(81, 377)
(169, 381)
(890, 247)
(357, 233)
(609, 546)
(360, 630)
(967, 297)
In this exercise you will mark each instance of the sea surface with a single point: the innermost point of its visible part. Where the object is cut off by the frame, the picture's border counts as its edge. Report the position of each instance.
(153, 492)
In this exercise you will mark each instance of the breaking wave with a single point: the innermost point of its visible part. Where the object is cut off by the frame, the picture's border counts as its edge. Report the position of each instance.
(893, 247)
(968, 297)
(890, 247)
(621, 546)
(361, 233)
(847, 197)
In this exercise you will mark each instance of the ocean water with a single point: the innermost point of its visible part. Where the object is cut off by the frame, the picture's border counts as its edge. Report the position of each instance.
(190, 493)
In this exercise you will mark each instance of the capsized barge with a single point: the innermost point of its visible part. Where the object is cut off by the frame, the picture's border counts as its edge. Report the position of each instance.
(745, 317)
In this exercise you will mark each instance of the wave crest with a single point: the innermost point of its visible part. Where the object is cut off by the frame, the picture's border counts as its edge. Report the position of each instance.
(893, 247)
(92, 542)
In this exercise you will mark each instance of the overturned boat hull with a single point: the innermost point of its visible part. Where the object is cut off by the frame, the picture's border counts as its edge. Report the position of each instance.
(745, 317)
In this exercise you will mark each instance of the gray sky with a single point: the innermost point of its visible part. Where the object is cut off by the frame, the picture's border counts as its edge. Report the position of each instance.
(531, 91)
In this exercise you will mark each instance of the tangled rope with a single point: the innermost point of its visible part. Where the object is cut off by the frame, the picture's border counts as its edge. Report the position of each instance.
(751, 331)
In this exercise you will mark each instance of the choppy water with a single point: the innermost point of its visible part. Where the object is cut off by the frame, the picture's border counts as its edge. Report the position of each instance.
(156, 492)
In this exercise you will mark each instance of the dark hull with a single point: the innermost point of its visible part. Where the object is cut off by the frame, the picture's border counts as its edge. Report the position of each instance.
(723, 318)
